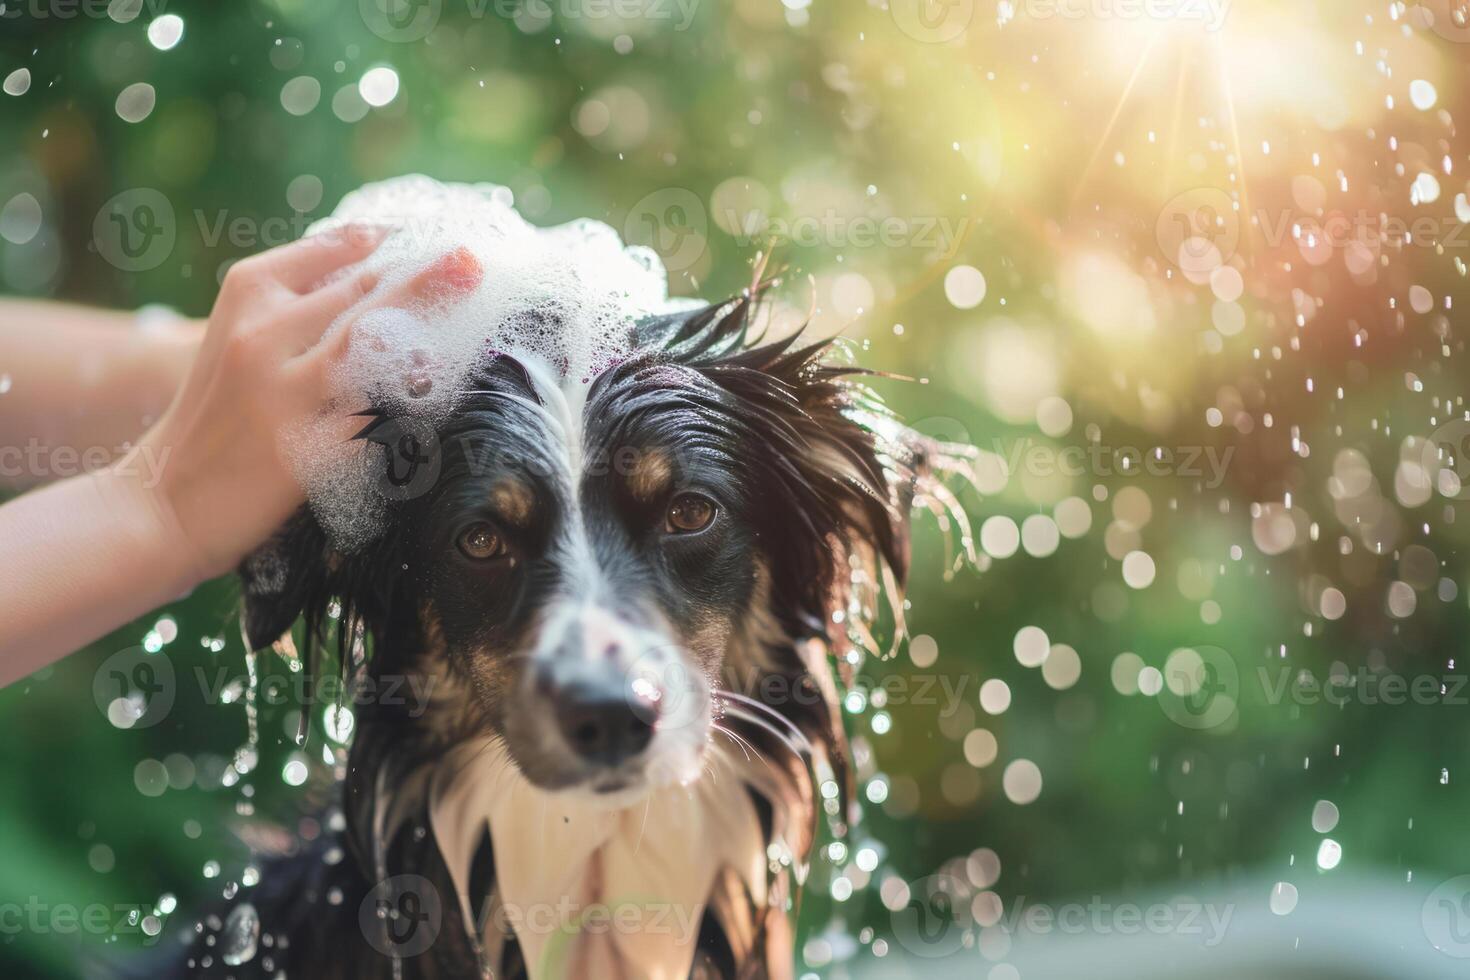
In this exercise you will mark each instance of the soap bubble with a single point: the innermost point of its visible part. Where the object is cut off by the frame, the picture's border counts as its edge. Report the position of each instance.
(562, 300)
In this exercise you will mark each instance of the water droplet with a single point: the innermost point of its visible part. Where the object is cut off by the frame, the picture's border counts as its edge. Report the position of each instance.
(1324, 816)
(135, 102)
(1283, 898)
(166, 31)
(1022, 782)
(20, 221)
(18, 82)
(304, 193)
(1422, 94)
(964, 286)
(300, 95)
(378, 86)
(241, 935)
(295, 771)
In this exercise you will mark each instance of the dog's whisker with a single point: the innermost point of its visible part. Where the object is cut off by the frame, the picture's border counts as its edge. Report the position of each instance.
(740, 740)
(740, 743)
(765, 709)
(647, 805)
(790, 735)
(755, 721)
(744, 745)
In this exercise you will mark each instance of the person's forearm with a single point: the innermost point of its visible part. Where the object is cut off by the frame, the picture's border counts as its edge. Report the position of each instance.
(82, 557)
(78, 384)
(209, 482)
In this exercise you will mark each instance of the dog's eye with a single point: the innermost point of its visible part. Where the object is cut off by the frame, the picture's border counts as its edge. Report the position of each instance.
(689, 512)
(481, 542)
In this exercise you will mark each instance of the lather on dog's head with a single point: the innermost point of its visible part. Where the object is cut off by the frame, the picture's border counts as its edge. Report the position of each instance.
(597, 558)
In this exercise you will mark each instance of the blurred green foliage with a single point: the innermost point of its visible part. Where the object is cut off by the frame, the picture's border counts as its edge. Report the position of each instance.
(999, 144)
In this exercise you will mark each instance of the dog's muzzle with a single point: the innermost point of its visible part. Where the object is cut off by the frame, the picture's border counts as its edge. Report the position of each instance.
(603, 684)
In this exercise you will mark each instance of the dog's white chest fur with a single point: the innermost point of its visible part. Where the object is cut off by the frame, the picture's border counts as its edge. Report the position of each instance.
(593, 888)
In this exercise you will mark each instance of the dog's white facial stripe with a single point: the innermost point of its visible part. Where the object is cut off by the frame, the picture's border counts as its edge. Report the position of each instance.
(563, 402)
(586, 604)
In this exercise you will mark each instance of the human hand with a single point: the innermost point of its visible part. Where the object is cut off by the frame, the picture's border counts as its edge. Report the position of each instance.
(222, 480)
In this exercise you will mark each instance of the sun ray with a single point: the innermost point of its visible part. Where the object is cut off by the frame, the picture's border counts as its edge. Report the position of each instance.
(1175, 126)
(1228, 91)
(1117, 112)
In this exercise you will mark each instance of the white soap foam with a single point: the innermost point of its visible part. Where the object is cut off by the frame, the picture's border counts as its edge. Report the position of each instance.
(566, 298)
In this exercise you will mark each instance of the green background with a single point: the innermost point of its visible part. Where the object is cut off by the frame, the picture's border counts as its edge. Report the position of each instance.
(1046, 153)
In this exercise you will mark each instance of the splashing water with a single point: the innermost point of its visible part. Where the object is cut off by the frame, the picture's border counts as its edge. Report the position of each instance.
(241, 936)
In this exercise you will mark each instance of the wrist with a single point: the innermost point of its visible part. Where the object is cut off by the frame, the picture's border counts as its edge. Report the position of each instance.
(97, 553)
(132, 489)
(155, 364)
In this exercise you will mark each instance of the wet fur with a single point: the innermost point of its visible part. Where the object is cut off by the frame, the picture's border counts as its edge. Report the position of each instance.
(825, 481)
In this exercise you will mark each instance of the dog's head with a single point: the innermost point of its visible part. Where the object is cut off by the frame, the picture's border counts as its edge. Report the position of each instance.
(591, 561)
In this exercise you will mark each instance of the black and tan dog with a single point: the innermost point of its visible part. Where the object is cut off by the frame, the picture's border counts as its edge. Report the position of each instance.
(634, 596)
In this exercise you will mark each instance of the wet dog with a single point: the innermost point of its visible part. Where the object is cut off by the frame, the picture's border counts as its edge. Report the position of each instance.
(634, 598)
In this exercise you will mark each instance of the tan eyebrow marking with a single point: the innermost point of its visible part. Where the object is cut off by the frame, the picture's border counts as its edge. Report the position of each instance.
(650, 475)
(513, 501)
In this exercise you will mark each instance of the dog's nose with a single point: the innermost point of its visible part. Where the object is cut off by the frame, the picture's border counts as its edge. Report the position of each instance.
(605, 724)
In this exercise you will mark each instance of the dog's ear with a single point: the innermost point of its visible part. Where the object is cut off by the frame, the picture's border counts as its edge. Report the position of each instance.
(838, 478)
(850, 475)
(287, 576)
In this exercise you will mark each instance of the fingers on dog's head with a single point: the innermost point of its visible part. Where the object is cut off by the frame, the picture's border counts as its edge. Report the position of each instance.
(451, 276)
(304, 265)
